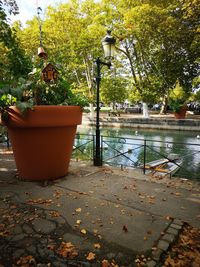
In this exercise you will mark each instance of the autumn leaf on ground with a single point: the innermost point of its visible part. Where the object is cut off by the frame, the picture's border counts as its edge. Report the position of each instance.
(149, 232)
(97, 246)
(54, 214)
(26, 261)
(168, 217)
(185, 252)
(31, 218)
(105, 263)
(57, 194)
(13, 206)
(177, 194)
(78, 210)
(82, 193)
(91, 256)
(67, 250)
(40, 201)
(51, 247)
(141, 261)
(4, 233)
(83, 231)
(125, 229)
(2, 225)
(111, 221)
(78, 222)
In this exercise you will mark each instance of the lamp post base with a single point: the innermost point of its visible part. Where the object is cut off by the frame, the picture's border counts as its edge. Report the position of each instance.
(97, 162)
(97, 154)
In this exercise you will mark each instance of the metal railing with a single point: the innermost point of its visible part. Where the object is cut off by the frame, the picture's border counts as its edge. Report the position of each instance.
(138, 153)
(4, 139)
(84, 147)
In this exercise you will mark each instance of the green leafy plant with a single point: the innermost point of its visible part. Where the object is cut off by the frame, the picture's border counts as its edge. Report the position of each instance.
(34, 91)
(177, 98)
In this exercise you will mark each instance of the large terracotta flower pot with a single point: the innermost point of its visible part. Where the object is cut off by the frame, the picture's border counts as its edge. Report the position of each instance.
(42, 140)
(181, 114)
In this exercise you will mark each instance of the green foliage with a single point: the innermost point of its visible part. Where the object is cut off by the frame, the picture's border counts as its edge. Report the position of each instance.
(11, 6)
(34, 91)
(6, 100)
(56, 92)
(113, 90)
(196, 96)
(148, 90)
(177, 98)
(154, 42)
(151, 38)
(14, 63)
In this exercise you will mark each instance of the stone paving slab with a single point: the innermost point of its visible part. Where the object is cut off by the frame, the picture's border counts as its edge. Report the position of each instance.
(90, 217)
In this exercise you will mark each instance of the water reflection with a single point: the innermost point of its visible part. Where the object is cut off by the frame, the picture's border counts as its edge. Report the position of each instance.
(130, 152)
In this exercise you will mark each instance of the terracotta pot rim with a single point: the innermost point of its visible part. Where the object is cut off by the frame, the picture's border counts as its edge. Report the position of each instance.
(45, 116)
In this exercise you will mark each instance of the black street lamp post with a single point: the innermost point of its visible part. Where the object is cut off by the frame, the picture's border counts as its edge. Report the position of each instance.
(109, 49)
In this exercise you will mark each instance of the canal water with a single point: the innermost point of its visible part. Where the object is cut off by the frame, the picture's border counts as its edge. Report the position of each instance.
(160, 135)
(159, 143)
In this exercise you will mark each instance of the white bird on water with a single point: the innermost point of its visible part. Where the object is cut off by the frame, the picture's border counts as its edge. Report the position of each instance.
(198, 136)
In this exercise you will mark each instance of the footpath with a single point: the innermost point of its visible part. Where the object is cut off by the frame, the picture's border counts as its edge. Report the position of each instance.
(95, 216)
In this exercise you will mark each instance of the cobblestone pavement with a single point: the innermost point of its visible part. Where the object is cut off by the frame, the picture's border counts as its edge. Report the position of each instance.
(92, 217)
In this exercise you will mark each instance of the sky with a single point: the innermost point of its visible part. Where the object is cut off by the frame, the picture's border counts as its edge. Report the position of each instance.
(28, 8)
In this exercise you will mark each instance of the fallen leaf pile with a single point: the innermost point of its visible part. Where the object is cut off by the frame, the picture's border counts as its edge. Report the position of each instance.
(67, 250)
(4, 231)
(91, 256)
(54, 214)
(40, 201)
(26, 261)
(106, 263)
(141, 261)
(58, 194)
(185, 252)
(146, 198)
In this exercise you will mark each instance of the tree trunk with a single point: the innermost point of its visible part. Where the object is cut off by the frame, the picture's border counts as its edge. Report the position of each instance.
(91, 111)
(145, 110)
(164, 105)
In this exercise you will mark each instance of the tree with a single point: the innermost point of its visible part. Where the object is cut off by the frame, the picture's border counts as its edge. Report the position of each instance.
(153, 52)
(17, 64)
(153, 43)
(160, 31)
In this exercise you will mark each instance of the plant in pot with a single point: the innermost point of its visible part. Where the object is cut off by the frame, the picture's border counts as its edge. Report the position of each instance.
(178, 101)
(41, 119)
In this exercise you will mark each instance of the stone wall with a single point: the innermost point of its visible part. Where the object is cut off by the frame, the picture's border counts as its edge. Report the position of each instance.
(147, 123)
